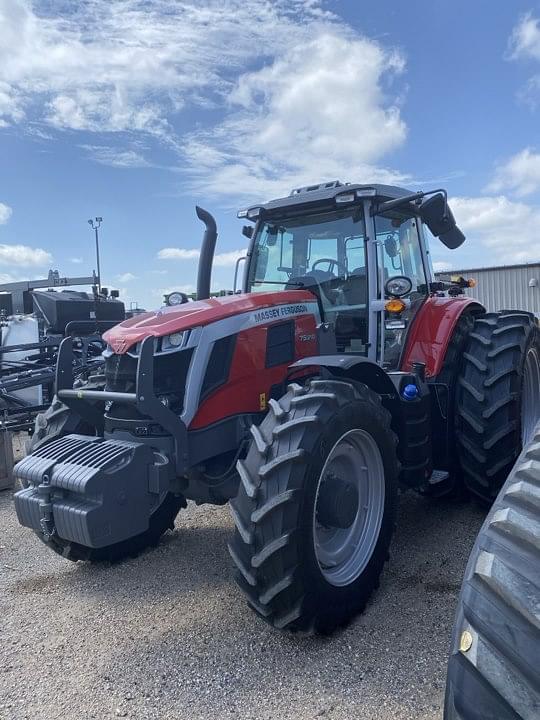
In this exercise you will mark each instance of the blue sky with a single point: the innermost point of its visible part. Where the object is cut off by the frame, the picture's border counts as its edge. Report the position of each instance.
(136, 111)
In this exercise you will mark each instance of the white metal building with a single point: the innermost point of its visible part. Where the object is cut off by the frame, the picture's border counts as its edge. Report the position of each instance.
(512, 287)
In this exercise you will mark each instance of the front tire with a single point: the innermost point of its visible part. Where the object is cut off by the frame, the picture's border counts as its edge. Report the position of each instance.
(497, 398)
(316, 507)
(57, 420)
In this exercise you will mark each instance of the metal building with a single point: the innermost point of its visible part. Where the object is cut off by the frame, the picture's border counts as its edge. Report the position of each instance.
(515, 287)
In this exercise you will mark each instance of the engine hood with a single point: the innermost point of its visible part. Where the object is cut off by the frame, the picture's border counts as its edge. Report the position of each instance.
(168, 320)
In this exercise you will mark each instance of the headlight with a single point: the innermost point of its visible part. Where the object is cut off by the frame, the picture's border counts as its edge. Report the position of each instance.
(398, 286)
(176, 298)
(173, 341)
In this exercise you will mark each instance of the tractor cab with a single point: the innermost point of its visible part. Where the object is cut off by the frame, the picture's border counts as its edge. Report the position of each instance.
(360, 250)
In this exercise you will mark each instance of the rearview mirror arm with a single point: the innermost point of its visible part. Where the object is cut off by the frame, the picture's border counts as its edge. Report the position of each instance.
(392, 204)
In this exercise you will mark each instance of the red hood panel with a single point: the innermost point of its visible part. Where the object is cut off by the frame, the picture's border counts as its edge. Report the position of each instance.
(168, 320)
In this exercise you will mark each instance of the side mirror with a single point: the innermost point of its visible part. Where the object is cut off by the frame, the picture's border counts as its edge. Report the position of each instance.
(440, 220)
(391, 246)
(452, 238)
(271, 238)
(247, 231)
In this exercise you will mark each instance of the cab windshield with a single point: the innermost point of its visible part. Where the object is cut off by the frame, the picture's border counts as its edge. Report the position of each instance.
(325, 252)
(322, 247)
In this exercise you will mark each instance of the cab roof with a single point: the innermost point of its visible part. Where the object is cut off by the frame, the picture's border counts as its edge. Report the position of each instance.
(326, 192)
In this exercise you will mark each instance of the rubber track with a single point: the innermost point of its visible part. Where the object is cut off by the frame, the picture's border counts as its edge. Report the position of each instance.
(499, 605)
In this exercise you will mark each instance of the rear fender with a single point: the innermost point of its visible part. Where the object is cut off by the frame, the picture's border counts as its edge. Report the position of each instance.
(432, 330)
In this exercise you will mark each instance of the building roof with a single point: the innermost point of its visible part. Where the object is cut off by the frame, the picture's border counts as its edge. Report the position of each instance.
(460, 271)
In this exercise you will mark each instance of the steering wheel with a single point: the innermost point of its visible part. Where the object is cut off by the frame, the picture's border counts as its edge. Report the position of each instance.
(332, 263)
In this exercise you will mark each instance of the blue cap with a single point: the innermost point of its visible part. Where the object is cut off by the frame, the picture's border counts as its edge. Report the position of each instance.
(410, 392)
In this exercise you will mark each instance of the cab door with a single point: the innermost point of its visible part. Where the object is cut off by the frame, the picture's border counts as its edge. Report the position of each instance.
(399, 253)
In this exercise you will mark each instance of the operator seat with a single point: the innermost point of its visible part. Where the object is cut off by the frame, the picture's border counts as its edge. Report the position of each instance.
(351, 325)
(318, 281)
(355, 288)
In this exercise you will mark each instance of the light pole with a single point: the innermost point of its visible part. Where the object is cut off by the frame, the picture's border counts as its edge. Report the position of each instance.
(95, 226)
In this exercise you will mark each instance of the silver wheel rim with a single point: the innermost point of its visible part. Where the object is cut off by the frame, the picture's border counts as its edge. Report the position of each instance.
(343, 553)
(530, 397)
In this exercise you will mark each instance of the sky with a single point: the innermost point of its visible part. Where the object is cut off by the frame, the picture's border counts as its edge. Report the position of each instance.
(137, 111)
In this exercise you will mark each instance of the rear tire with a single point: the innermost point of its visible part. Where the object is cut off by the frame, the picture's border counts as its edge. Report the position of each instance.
(283, 537)
(452, 488)
(492, 398)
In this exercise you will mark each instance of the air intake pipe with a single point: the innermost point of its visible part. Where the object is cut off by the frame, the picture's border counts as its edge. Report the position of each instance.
(206, 257)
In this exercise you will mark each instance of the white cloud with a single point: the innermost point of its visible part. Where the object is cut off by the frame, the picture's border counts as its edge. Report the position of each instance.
(11, 103)
(228, 259)
(500, 230)
(116, 157)
(36, 132)
(529, 94)
(24, 255)
(225, 259)
(524, 44)
(5, 213)
(76, 260)
(316, 110)
(318, 100)
(178, 254)
(126, 277)
(127, 65)
(520, 174)
(525, 38)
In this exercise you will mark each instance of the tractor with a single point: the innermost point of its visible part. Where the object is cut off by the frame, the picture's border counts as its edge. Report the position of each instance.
(340, 373)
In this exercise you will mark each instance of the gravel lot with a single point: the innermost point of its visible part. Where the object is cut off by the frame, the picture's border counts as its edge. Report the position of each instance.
(167, 635)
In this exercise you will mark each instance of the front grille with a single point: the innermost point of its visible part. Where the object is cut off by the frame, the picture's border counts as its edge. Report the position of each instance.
(120, 373)
(170, 374)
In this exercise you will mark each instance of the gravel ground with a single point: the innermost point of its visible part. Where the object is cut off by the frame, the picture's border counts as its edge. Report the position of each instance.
(167, 635)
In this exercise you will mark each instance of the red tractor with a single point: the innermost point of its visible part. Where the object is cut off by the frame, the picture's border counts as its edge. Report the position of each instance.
(339, 373)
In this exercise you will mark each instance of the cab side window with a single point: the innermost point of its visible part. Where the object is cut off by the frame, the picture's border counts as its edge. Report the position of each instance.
(274, 258)
(399, 253)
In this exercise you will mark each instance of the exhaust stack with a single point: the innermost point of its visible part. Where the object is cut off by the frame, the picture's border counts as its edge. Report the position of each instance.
(206, 257)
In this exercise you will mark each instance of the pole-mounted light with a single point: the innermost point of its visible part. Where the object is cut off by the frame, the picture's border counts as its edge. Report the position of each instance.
(95, 227)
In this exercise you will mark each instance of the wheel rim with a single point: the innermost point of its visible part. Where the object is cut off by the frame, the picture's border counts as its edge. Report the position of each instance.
(530, 397)
(343, 553)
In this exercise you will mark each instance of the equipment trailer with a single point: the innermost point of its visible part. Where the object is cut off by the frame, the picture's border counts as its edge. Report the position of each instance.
(341, 371)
